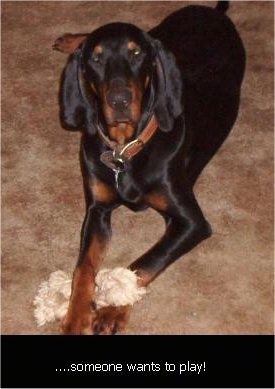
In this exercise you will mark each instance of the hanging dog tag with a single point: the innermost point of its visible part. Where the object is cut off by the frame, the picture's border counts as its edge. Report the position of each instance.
(109, 159)
(116, 176)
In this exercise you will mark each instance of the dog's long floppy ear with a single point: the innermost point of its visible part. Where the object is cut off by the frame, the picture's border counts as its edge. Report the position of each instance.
(168, 104)
(77, 102)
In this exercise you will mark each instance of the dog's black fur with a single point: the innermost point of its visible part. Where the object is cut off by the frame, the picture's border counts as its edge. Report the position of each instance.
(187, 72)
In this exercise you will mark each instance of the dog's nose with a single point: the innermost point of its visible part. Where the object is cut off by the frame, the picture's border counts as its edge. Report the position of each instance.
(119, 99)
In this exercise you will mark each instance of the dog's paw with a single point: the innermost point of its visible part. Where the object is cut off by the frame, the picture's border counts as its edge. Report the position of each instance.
(68, 43)
(110, 320)
(77, 324)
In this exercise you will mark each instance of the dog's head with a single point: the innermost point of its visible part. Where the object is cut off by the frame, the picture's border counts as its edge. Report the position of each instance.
(119, 77)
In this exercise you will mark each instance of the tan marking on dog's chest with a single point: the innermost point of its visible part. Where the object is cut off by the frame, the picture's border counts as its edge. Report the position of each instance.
(157, 201)
(102, 192)
(121, 133)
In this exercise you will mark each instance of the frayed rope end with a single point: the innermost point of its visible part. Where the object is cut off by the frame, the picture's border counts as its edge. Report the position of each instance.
(114, 287)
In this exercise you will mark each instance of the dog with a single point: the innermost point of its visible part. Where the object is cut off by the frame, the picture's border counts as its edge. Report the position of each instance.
(153, 108)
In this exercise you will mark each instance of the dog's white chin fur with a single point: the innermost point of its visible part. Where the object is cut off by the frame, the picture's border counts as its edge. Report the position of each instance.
(114, 287)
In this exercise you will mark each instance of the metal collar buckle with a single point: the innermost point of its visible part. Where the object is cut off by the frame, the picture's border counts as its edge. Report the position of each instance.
(125, 153)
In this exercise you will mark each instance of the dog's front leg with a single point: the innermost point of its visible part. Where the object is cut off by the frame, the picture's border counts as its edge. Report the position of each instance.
(95, 236)
(185, 228)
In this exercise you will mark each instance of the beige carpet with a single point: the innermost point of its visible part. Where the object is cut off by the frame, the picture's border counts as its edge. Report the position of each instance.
(225, 285)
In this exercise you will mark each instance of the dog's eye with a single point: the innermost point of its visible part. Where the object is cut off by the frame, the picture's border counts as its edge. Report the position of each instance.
(96, 58)
(97, 54)
(136, 52)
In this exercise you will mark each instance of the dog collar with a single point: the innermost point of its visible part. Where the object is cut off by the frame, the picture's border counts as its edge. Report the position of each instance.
(119, 154)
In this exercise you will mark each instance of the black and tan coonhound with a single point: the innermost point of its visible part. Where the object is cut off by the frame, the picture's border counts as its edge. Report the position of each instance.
(153, 109)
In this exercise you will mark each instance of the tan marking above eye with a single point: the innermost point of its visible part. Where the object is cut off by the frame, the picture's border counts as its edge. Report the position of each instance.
(98, 50)
(134, 47)
(96, 53)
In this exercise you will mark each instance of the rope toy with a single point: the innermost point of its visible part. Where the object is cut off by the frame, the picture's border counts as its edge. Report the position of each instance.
(114, 287)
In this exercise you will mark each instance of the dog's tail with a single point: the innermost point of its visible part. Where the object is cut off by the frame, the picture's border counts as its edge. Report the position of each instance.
(222, 6)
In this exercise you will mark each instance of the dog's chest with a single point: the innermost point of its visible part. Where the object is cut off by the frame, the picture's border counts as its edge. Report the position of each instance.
(130, 187)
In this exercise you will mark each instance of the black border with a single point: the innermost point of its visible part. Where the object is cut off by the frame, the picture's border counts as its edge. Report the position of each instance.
(231, 361)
